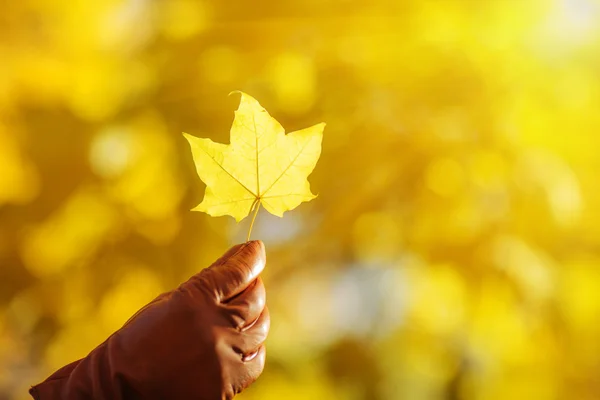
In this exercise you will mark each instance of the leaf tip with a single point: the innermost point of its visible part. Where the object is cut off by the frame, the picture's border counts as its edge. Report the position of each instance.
(319, 128)
(200, 207)
(235, 92)
(189, 137)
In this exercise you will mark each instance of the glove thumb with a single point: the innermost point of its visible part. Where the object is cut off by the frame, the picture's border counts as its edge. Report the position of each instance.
(235, 270)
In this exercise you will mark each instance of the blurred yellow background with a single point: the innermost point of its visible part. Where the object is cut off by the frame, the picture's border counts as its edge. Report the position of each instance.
(453, 251)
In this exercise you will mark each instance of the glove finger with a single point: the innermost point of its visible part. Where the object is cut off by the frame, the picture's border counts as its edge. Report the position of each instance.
(243, 373)
(248, 342)
(246, 372)
(235, 270)
(247, 306)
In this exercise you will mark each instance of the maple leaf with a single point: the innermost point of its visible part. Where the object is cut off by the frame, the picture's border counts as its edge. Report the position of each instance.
(262, 166)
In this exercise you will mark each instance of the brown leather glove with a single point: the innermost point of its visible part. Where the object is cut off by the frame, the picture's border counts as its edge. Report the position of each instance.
(203, 340)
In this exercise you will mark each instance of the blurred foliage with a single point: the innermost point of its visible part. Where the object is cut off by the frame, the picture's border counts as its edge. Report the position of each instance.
(453, 251)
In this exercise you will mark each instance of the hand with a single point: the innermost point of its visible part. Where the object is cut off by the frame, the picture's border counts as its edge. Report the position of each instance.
(204, 340)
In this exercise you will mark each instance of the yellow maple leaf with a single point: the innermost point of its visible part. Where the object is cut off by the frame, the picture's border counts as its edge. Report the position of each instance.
(262, 166)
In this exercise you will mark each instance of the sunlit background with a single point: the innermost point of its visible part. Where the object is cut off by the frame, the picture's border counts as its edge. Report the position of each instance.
(453, 251)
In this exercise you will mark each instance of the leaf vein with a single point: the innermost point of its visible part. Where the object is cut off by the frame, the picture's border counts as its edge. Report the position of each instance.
(288, 167)
(227, 172)
(231, 202)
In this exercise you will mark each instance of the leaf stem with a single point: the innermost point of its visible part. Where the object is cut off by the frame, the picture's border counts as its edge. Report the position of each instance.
(256, 208)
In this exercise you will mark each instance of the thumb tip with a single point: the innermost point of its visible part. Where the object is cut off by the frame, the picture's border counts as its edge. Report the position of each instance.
(251, 253)
(254, 254)
(256, 246)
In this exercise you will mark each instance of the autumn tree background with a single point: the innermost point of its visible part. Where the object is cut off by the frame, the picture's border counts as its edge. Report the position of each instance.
(453, 251)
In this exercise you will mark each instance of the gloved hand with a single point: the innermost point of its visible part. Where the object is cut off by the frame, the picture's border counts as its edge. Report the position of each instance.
(203, 340)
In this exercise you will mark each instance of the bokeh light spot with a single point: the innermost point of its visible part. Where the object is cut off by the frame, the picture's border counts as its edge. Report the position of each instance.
(293, 78)
(110, 152)
(445, 177)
